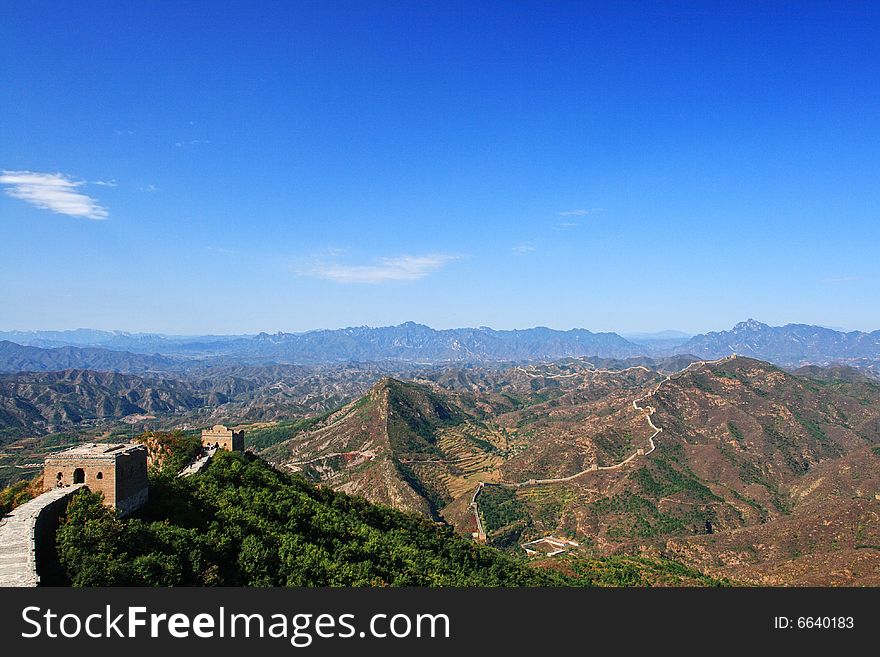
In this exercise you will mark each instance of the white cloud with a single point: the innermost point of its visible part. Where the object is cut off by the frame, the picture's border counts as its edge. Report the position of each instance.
(581, 213)
(840, 279)
(149, 188)
(191, 142)
(52, 191)
(567, 224)
(222, 250)
(400, 268)
(522, 249)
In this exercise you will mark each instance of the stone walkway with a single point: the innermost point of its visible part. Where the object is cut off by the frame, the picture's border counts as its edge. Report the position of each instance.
(18, 566)
(199, 464)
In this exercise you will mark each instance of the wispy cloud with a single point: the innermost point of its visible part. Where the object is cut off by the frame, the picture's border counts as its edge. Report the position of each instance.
(399, 268)
(191, 142)
(583, 212)
(52, 191)
(150, 188)
(840, 279)
(524, 248)
(103, 183)
(567, 224)
(222, 250)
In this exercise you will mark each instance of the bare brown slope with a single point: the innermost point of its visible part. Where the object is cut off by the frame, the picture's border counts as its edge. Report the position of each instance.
(755, 430)
(749, 456)
(831, 538)
(780, 469)
(372, 446)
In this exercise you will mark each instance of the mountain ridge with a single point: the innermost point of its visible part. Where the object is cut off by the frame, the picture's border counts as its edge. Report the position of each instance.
(792, 345)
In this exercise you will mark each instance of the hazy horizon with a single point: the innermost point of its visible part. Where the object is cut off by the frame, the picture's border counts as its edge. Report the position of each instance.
(622, 333)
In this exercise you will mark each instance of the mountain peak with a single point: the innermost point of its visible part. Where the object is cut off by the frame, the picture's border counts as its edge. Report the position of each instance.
(384, 384)
(750, 325)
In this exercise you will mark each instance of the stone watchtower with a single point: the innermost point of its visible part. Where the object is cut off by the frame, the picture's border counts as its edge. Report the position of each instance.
(221, 437)
(119, 471)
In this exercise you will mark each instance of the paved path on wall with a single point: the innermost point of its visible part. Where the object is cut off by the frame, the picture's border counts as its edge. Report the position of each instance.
(199, 464)
(18, 563)
(476, 510)
(593, 370)
(370, 455)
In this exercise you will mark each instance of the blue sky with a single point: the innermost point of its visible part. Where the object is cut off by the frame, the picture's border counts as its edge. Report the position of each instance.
(218, 167)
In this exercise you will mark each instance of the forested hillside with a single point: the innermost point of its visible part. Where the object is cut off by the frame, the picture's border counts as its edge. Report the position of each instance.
(242, 523)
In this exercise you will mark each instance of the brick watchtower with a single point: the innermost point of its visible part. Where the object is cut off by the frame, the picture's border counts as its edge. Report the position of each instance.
(118, 471)
(223, 438)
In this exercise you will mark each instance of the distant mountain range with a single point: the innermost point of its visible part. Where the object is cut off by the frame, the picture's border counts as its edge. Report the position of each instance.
(35, 403)
(789, 345)
(143, 343)
(25, 358)
(40, 402)
(406, 342)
